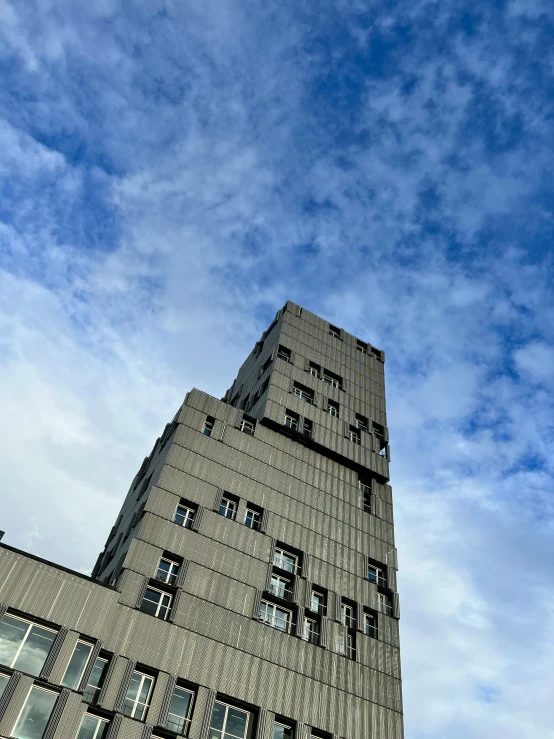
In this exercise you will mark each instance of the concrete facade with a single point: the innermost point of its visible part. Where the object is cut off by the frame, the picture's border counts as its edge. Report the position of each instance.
(286, 610)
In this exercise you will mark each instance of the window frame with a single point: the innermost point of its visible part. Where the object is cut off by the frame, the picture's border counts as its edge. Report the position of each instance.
(333, 408)
(329, 378)
(227, 504)
(380, 578)
(321, 608)
(97, 688)
(208, 426)
(135, 701)
(171, 574)
(334, 331)
(160, 604)
(311, 635)
(284, 354)
(34, 686)
(290, 727)
(274, 618)
(314, 370)
(256, 518)
(222, 731)
(100, 720)
(362, 423)
(188, 718)
(287, 592)
(248, 426)
(88, 644)
(187, 520)
(283, 551)
(355, 435)
(347, 615)
(370, 625)
(294, 421)
(30, 625)
(305, 394)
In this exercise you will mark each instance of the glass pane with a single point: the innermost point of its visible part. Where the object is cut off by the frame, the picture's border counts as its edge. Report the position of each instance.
(150, 602)
(36, 712)
(180, 702)
(218, 716)
(95, 681)
(103, 730)
(134, 685)
(282, 732)
(88, 727)
(77, 665)
(12, 633)
(145, 690)
(214, 734)
(236, 723)
(34, 652)
(4, 680)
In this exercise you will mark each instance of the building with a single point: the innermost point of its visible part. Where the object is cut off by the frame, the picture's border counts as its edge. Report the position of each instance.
(248, 587)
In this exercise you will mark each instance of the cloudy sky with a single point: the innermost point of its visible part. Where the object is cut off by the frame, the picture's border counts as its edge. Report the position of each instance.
(172, 172)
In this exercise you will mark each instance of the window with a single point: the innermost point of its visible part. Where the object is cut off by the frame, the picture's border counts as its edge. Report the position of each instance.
(379, 433)
(275, 616)
(247, 425)
(228, 722)
(4, 680)
(370, 625)
(367, 501)
(285, 560)
(354, 435)
(291, 420)
(23, 644)
(384, 604)
(77, 664)
(315, 370)
(208, 426)
(331, 379)
(253, 519)
(303, 393)
(317, 602)
(347, 616)
(376, 574)
(184, 516)
(334, 331)
(307, 428)
(35, 714)
(362, 423)
(345, 645)
(361, 346)
(281, 587)
(333, 408)
(228, 508)
(264, 387)
(156, 603)
(283, 353)
(282, 731)
(138, 695)
(180, 709)
(96, 680)
(93, 727)
(266, 366)
(311, 631)
(167, 571)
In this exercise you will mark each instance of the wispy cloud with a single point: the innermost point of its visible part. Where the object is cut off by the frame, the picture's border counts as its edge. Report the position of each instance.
(169, 177)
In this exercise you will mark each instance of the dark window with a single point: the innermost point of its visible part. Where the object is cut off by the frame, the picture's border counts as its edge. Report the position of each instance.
(77, 664)
(282, 731)
(184, 515)
(292, 420)
(307, 428)
(379, 433)
(228, 507)
(180, 710)
(333, 408)
(331, 379)
(303, 392)
(248, 425)
(362, 423)
(208, 426)
(283, 353)
(229, 722)
(370, 625)
(96, 679)
(334, 331)
(315, 370)
(354, 435)
(361, 346)
(376, 574)
(253, 517)
(266, 366)
(156, 603)
(138, 695)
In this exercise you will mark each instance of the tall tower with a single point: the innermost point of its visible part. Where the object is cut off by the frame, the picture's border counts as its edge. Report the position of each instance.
(248, 587)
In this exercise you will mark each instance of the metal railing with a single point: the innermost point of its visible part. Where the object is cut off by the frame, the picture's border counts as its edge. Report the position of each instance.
(280, 592)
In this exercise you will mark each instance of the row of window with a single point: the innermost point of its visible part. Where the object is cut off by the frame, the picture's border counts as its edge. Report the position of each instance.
(24, 645)
(247, 426)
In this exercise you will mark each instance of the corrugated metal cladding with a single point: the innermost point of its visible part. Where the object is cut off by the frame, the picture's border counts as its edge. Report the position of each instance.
(298, 448)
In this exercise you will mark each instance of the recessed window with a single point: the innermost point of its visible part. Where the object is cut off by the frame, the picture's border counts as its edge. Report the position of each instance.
(184, 515)
(264, 387)
(347, 616)
(282, 731)
(334, 332)
(384, 604)
(333, 408)
(370, 625)
(317, 602)
(77, 663)
(138, 695)
(331, 379)
(228, 722)
(346, 645)
(156, 603)
(180, 710)
(292, 420)
(307, 428)
(167, 571)
(367, 501)
(280, 587)
(285, 560)
(252, 518)
(24, 645)
(247, 425)
(96, 680)
(354, 435)
(208, 426)
(266, 366)
(93, 727)
(376, 575)
(311, 630)
(4, 680)
(283, 353)
(35, 714)
(228, 508)
(362, 423)
(379, 433)
(315, 370)
(303, 393)
(361, 346)
(275, 616)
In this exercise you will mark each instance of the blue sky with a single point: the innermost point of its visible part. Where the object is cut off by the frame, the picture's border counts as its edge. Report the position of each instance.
(172, 173)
